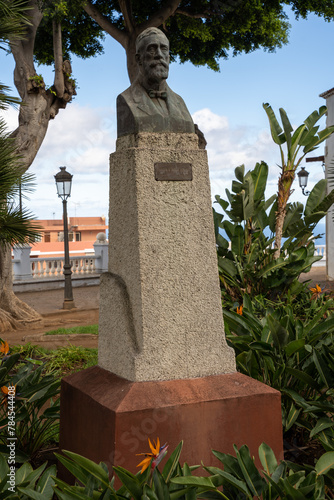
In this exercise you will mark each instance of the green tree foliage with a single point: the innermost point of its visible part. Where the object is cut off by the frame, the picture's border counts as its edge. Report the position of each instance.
(200, 31)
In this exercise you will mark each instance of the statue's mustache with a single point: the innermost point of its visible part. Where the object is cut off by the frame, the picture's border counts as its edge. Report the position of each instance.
(158, 63)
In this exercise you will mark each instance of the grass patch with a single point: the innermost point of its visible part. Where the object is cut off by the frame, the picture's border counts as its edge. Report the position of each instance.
(92, 329)
(61, 361)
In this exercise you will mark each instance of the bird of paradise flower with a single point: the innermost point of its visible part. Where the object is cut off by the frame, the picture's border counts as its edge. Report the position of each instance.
(239, 310)
(316, 292)
(157, 454)
(4, 347)
(5, 391)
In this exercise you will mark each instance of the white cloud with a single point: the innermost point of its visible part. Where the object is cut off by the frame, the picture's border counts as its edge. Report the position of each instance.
(229, 147)
(82, 138)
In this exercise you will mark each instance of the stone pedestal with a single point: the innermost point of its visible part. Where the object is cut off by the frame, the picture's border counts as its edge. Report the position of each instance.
(165, 369)
(160, 307)
(109, 419)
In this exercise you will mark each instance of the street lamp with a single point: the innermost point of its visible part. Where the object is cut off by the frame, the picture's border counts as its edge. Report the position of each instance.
(303, 175)
(64, 184)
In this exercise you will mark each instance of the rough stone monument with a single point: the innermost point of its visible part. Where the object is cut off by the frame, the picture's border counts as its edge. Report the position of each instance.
(164, 365)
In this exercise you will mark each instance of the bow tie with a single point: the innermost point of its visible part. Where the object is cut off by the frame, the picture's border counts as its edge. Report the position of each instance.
(157, 93)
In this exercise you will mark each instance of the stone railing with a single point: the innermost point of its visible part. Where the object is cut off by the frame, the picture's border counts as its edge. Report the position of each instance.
(51, 267)
(320, 250)
(26, 268)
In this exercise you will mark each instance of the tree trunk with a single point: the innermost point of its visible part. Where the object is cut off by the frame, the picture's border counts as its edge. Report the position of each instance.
(40, 105)
(13, 312)
(132, 66)
(284, 192)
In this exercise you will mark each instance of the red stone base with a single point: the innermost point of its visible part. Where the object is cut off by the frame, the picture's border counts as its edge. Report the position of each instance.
(107, 418)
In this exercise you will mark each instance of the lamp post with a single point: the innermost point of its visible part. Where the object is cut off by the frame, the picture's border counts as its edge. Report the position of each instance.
(64, 184)
(303, 176)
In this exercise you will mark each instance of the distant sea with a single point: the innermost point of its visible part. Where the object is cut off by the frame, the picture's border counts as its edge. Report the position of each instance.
(320, 229)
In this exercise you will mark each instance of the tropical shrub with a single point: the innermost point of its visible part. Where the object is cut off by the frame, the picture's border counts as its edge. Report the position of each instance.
(25, 482)
(246, 260)
(293, 356)
(303, 140)
(240, 479)
(147, 484)
(36, 398)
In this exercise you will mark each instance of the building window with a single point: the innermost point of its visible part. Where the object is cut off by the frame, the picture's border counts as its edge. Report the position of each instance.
(78, 236)
(47, 237)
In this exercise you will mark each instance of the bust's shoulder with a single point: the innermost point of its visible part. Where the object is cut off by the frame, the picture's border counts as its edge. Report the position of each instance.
(133, 93)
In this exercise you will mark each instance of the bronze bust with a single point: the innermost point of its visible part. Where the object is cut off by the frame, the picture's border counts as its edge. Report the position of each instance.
(149, 105)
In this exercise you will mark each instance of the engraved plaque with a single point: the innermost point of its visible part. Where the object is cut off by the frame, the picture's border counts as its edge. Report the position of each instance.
(173, 171)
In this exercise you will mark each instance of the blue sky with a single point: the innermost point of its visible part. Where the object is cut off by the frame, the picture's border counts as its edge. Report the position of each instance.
(227, 106)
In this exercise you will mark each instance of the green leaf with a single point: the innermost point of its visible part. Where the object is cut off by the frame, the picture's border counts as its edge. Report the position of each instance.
(304, 377)
(76, 470)
(160, 486)
(286, 126)
(35, 495)
(23, 472)
(259, 176)
(268, 459)
(172, 463)
(276, 130)
(237, 483)
(198, 482)
(250, 472)
(325, 463)
(292, 417)
(279, 333)
(315, 197)
(238, 240)
(95, 470)
(294, 346)
(321, 367)
(322, 424)
(130, 482)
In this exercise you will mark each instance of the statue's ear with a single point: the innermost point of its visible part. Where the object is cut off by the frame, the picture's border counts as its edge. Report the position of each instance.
(138, 59)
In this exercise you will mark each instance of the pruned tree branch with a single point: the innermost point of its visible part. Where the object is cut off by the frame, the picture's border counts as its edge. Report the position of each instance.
(126, 9)
(159, 17)
(203, 15)
(106, 25)
(58, 55)
(23, 50)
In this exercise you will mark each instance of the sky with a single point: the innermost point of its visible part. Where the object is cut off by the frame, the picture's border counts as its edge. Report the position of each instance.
(226, 105)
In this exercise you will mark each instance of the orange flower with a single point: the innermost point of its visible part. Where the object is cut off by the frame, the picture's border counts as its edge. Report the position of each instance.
(5, 391)
(157, 454)
(239, 310)
(4, 348)
(316, 292)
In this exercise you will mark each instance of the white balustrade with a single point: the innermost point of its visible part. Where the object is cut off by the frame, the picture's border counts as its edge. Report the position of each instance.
(36, 268)
(320, 250)
(52, 267)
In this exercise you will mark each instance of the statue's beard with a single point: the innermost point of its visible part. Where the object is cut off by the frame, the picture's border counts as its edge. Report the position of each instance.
(157, 72)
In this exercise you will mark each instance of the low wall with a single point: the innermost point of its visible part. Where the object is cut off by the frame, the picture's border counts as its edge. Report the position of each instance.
(36, 285)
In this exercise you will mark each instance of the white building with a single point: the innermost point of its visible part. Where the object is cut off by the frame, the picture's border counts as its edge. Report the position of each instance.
(329, 162)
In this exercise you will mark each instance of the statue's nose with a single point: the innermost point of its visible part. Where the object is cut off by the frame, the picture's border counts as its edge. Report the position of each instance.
(158, 53)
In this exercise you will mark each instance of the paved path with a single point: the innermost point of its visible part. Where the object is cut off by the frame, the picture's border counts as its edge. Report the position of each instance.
(49, 304)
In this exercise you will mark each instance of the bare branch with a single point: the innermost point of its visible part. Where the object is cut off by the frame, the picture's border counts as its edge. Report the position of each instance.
(126, 9)
(58, 55)
(106, 25)
(204, 15)
(161, 15)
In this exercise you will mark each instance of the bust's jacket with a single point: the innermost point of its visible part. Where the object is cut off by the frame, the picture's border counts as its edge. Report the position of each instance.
(136, 112)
